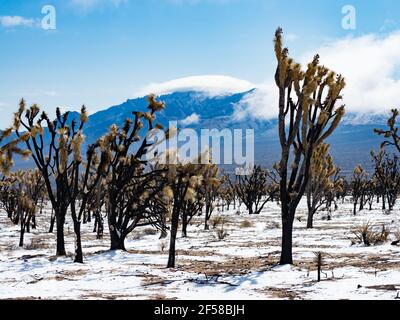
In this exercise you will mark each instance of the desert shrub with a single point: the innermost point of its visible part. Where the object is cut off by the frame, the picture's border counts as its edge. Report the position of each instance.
(163, 246)
(272, 225)
(384, 235)
(246, 224)
(37, 244)
(216, 221)
(369, 234)
(397, 238)
(221, 233)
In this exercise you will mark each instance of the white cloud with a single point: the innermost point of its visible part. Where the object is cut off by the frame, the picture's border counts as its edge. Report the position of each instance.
(258, 104)
(15, 21)
(370, 65)
(209, 84)
(192, 119)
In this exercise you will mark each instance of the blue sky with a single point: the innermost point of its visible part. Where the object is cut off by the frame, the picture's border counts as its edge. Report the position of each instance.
(105, 51)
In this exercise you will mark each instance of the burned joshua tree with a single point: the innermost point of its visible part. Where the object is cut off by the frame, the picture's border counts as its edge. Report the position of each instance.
(54, 145)
(9, 196)
(387, 176)
(183, 181)
(358, 187)
(21, 192)
(308, 114)
(132, 185)
(256, 189)
(9, 147)
(391, 132)
(209, 190)
(321, 186)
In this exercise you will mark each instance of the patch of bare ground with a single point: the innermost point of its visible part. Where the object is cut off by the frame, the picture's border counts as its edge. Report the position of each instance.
(159, 296)
(385, 287)
(6, 247)
(375, 261)
(320, 246)
(95, 295)
(253, 244)
(39, 244)
(130, 251)
(280, 293)
(23, 298)
(137, 251)
(197, 253)
(73, 273)
(31, 256)
(237, 266)
(149, 280)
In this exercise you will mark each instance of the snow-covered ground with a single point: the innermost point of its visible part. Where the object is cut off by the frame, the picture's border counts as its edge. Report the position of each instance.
(241, 266)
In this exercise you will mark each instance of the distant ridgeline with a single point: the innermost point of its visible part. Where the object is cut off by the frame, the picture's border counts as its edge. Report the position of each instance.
(351, 143)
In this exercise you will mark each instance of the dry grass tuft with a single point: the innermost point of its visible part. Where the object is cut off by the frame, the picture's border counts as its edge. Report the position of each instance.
(272, 225)
(37, 244)
(369, 234)
(163, 246)
(221, 233)
(246, 224)
(397, 235)
(216, 221)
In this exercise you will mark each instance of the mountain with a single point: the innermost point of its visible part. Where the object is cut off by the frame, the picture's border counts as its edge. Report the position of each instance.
(351, 142)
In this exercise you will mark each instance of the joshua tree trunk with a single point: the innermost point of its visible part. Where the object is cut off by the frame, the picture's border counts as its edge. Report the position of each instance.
(206, 226)
(184, 224)
(60, 220)
(391, 201)
(287, 234)
(52, 221)
(34, 222)
(207, 216)
(174, 231)
(98, 224)
(311, 210)
(310, 219)
(28, 224)
(117, 241)
(22, 232)
(164, 232)
(78, 249)
(361, 203)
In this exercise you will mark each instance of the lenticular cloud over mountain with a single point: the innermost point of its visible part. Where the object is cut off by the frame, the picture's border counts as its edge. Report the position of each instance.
(208, 84)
